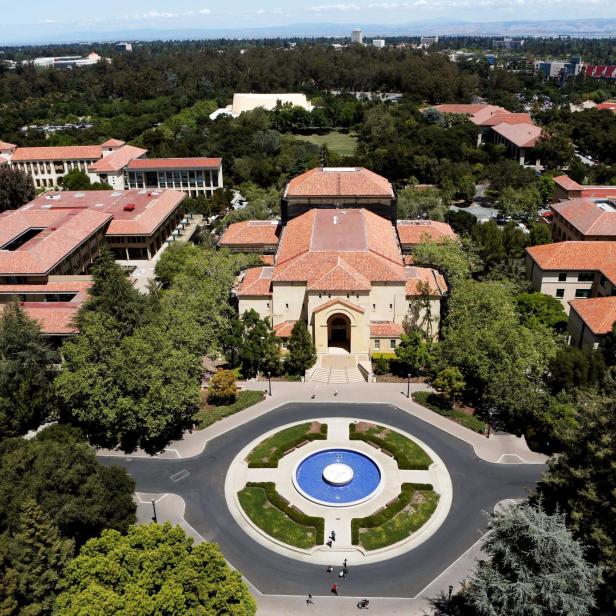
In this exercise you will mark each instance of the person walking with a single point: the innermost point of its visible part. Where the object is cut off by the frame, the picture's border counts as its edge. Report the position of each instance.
(333, 535)
(309, 600)
(344, 564)
(329, 569)
(329, 543)
(341, 573)
(335, 589)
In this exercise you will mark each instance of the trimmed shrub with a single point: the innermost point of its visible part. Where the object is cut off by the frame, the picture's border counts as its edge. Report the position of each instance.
(222, 388)
(295, 514)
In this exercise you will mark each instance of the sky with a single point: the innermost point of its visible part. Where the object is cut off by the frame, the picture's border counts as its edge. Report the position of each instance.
(34, 16)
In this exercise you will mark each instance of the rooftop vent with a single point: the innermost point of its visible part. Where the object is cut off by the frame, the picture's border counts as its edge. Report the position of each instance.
(53, 197)
(335, 220)
(129, 207)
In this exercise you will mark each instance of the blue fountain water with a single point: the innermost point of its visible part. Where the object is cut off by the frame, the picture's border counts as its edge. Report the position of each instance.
(366, 476)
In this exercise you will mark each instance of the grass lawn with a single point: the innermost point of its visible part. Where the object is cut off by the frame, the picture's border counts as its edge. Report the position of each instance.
(403, 517)
(273, 521)
(267, 453)
(438, 405)
(209, 414)
(338, 143)
(407, 453)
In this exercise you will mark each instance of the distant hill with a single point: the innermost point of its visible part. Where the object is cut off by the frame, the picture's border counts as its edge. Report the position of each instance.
(53, 33)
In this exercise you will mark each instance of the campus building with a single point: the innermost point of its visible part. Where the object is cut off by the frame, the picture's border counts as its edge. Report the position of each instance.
(249, 101)
(340, 269)
(118, 164)
(515, 131)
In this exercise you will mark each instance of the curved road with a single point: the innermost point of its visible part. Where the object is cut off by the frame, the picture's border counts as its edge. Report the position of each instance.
(477, 487)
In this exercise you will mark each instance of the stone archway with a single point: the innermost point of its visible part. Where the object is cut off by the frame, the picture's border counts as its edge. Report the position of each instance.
(339, 331)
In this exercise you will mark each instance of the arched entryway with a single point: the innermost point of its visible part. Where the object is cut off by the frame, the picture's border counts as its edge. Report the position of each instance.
(339, 331)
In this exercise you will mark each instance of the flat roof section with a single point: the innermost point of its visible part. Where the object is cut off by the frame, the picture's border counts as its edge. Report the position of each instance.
(162, 164)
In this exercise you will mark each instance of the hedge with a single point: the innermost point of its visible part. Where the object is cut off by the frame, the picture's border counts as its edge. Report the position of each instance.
(280, 452)
(295, 514)
(404, 464)
(379, 518)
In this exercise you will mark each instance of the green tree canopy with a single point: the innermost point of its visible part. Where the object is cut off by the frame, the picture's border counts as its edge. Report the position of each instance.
(534, 568)
(448, 256)
(539, 310)
(302, 353)
(60, 471)
(16, 188)
(76, 179)
(173, 260)
(26, 382)
(154, 569)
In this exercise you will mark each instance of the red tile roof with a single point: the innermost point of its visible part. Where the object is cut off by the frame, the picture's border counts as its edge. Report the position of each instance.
(461, 108)
(113, 143)
(267, 259)
(118, 159)
(564, 181)
(283, 330)
(339, 182)
(6, 146)
(522, 135)
(588, 217)
(145, 164)
(257, 281)
(577, 256)
(333, 302)
(412, 232)
(151, 208)
(354, 247)
(598, 313)
(66, 152)
(434, 279)
(341, 277)
(251, 233)
(606, 106)
(502, 117)
(385, 329)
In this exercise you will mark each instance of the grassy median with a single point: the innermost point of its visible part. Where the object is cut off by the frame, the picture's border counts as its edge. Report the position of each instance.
(209, 414)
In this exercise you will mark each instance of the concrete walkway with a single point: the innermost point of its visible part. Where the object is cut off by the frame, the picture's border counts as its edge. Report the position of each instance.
(499, 448)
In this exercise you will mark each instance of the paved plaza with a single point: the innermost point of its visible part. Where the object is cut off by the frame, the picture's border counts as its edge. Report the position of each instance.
(188, 482)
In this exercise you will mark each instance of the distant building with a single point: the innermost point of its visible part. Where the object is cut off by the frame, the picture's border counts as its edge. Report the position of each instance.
(566, 188)
(378, 43)
(559, 69)
(249, 102)
(357, 36)
(600, 71)
(125, 47)
(508, 43)
(427, 41)
(66, 61)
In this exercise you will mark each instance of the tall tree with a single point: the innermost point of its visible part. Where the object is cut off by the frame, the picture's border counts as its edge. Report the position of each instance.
(26, 383)
(154, 569)
(302, 353)
(33, 562)
(112, 294)
(534, 568)
(16, 188)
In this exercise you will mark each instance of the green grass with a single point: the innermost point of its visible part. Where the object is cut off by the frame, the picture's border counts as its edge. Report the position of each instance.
(438, 405)
(338, 143)
(408, 454)
(267, 453)
(274, 521)
(408, 514)
(209, 414)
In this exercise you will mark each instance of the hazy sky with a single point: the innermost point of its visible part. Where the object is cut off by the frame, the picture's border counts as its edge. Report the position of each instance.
(64, 15)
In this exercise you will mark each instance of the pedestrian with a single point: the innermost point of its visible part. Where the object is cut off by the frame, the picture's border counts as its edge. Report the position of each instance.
(333, 535)
(330, 569)
(329, 543)
(335, 589)
(341, 573)
(344, 564)
(309, 600)
(345, 569)
(336, 393)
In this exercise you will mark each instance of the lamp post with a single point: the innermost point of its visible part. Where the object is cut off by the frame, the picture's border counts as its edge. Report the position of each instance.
(449, 600)
(154, 508)
(490, 413)
(269, 382)
(408, 386)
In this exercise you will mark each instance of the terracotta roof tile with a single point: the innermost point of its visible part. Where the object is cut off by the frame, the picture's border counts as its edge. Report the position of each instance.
(257, 282)
(283, 330)
(598, 313)
(113, 143)
(118, 159)
(339, 182)
(522, 135)
(588, 216)
(267, 259)
(251, 233)
(567, 183)
(434, 279)
(341, 277)
(66, 152)
(174, 163)
(385, 329)
(412, 232)
(6, 146)
(468, 109)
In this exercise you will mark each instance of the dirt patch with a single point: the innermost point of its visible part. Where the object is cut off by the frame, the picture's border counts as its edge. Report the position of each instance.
(391, 378)
(364, 426)
(315, 427)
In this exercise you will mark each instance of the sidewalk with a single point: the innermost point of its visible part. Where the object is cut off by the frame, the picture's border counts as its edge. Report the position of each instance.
(499, 448)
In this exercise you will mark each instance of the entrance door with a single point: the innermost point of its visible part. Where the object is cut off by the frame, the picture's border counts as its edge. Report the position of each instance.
(339, 332)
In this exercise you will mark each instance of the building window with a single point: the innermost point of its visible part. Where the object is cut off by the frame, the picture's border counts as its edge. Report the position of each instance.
(582, 292)
(286, 306)
(392, 344)
(377, 344)
(373, 306)
(560, 293)
(391, 306)
(586, 277)
(562, 277)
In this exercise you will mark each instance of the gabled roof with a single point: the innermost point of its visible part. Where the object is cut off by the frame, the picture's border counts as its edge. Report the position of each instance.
(334, 182)
(434, 279)
(6, 146)
(118, 159)
(257, 282)
(500, 117)
(333, 302)
(588, 217)
(463, 109)
(341, 277)
(522, 135)
(283, 330)
(251, 233)
(412, 232)
(564, 181)
(66, 152)
(113, 143)
(598, 313)
(385, 329)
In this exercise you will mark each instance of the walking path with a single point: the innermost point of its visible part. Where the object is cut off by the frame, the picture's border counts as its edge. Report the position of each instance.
(499, 448)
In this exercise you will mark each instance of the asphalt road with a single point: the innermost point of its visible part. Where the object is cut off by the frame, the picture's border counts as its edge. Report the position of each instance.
(477, 487)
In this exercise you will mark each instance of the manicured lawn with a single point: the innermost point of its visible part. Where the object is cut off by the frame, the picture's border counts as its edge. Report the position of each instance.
(407, 453)
(402, 518)
(209, 414)
(438, 405)
(267, 453)
(339, 143)
(273, 521)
